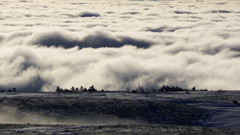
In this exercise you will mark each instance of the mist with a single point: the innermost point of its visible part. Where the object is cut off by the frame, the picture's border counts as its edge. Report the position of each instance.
(12, 114)
(116, 44)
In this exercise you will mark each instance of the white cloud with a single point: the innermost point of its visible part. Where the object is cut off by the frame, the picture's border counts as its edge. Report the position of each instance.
(127, 44)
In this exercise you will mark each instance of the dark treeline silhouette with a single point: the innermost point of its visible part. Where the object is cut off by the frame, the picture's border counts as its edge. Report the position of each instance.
(76, 90)
(139, 89)
(164, 88)
(9, 90)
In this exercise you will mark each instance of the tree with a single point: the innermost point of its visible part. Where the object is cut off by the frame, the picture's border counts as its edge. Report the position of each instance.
(76, 90)
(163, 88)
(194, 89)
(14, 89)
(167, 88)
(85, 90)
(127, 89)
(92, 89)
(57, 89)
(140, 89)
(81, 89)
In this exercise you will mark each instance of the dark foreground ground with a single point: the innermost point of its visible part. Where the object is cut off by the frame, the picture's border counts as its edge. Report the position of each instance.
(146, 129)
(115, 113)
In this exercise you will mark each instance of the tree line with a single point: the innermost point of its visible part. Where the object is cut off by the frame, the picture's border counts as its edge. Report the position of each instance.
(139, 89)
(76, 89)
(9, 90)
(164, 88)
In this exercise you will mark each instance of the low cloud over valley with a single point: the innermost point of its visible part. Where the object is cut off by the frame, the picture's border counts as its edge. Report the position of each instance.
(118, 44)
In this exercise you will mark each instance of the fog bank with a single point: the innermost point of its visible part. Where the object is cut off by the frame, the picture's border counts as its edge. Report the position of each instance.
(118, 44)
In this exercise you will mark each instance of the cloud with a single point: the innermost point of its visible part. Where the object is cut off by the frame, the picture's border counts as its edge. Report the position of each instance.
(220, 11)
(164, 29)
(83, 14)
(89, 14)
(132, 13)
(1, 38)
(182, 12)
(94, 40)
(23, 68)
(53, 39)
(222, 3)
(154, 47)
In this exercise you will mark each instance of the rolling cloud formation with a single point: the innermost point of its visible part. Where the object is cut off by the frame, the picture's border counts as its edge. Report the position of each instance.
(119, 44)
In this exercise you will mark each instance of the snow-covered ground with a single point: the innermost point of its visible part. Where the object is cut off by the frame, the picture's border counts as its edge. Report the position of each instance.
(223, 113)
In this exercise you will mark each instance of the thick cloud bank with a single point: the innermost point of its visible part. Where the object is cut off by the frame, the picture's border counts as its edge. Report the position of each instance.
(95, 40)
(119, 44)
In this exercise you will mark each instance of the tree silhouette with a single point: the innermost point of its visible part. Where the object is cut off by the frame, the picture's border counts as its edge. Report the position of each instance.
(127, 89)
(140, 89)
(92, 89)
(57, 89)
(14, 89)
(81, 89)
(76, 90)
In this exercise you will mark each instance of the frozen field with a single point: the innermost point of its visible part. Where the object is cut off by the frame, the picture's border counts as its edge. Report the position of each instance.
(120, 112)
